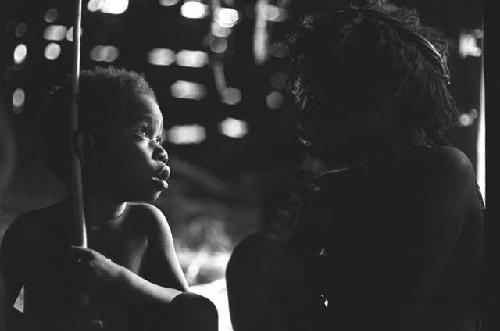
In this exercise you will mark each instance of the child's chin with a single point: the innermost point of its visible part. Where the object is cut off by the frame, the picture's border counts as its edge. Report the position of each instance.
(156, 196)
(153, 197)
(148, 198)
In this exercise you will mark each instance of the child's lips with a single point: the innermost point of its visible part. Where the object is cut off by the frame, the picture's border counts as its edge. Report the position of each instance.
(161, 183)
(161, 177)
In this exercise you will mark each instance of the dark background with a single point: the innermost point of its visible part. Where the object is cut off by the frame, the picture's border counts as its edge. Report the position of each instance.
(218, 187)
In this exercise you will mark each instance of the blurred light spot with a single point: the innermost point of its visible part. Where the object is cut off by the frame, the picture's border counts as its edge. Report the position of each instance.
(161, 56)
(279, 50)
(188, 90)
(219, 77)
(168, 2)
(18, 98)
(273, 13)
(51, 15)
(69, 34)
(194, 9)
(186, 134)
(108, 6)
(274, 100)
(220, 31)
(218, 45)
(187, 58)
(20, 53)
(21, 29)
(467, 45)
(97, 53)
(104, 53)
(233, 128)
(465, 120)
(278, 80)
(55, 32)
(94, 5)
(112, 53)
(260, 35)
(114, 6)
(478, 33)
(226, 17)
(231, 96)
(52, 51)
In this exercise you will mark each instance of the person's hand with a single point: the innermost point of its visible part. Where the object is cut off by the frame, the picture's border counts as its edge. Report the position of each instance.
(91, 271)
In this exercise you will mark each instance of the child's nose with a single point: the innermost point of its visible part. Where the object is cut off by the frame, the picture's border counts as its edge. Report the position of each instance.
(160, 154)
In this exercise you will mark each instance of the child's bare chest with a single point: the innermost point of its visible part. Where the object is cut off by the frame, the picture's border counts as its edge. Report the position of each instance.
(126, 248)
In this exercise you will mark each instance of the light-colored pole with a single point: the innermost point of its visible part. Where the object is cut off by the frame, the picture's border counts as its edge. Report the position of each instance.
(76, 147)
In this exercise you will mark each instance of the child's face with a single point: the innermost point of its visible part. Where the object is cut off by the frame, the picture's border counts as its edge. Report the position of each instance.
(132, 163)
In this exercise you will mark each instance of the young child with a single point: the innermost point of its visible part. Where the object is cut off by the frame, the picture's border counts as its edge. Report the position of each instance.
(392, 236)
(130, 272)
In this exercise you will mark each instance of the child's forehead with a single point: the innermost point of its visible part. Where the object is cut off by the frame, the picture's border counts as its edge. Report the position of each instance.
(144, 108)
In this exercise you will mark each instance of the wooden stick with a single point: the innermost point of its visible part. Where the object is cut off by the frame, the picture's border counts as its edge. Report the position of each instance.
(76, 151)
(90, 317)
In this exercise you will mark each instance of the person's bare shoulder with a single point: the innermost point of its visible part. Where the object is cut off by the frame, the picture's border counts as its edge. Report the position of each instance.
(147, 217)
(451, 156)
(28, 228)
(452, 196)
(452, 173)
(161, 265)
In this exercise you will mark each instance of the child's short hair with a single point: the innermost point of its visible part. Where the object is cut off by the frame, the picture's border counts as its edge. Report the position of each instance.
(103, 99)
(373, 60)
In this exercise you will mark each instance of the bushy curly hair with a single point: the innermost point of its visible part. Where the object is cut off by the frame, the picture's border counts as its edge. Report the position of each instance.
(345, 61)
(103, 99)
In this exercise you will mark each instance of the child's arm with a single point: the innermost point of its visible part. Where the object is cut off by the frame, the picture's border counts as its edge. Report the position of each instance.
(161, 264)
(163, 279)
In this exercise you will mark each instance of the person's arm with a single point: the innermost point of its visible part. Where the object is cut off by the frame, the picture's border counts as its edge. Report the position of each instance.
(162, 279)
(450, 198)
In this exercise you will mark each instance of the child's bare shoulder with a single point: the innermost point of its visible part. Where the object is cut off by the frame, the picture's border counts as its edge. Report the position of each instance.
(147, 216)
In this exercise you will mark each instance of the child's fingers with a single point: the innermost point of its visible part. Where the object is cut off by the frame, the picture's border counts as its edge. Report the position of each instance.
(78, 269)
(90, 268)
(79, 257)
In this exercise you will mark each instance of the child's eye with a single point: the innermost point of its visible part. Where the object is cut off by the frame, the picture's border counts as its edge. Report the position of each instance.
(143, 131)
(147, 132)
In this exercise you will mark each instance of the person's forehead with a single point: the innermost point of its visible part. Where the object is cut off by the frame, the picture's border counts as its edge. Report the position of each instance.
(145, 108)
